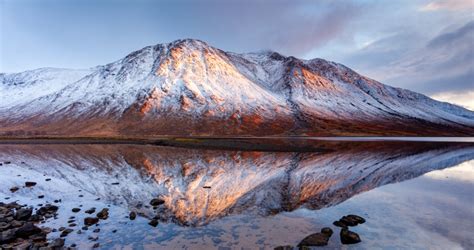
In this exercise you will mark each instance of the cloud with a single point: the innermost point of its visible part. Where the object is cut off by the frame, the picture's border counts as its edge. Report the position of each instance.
(451, 38)
(289, 27)
(443, 63)
(298, 34)
(52, 32)
(463, 99)
(450, 5)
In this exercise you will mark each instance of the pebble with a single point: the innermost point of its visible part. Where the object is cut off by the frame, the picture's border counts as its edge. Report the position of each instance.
(30, 184)
(153, 223)
(157, 202)
(89, 221)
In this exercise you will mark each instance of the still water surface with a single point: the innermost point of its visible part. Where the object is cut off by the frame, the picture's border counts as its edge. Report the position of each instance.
(413, 195)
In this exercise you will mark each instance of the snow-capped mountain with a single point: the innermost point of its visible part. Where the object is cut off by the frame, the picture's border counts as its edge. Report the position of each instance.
(190, 88)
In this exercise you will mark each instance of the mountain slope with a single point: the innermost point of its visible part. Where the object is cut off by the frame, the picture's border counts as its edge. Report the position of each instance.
(190, 88)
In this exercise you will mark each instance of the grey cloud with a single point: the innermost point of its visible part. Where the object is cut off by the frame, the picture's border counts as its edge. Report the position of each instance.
(299, 35)
(462, 34)
(443, 63)
(290, 27)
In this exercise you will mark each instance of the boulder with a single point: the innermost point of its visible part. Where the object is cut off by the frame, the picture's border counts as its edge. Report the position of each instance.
(103, 214)
(23, 214)
(349, 237)
(317, 239)
(89, 221)
(7, 236)
(327, 231)
(27, 230)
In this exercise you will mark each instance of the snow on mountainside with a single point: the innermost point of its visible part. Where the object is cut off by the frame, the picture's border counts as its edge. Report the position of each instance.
(190, 88)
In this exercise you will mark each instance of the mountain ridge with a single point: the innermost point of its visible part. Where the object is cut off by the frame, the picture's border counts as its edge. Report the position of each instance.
(190, 88)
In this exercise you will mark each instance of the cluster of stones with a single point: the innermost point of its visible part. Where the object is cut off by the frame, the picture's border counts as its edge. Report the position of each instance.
(322, 238)
(347, 236)
(18, 229)
(155, 203)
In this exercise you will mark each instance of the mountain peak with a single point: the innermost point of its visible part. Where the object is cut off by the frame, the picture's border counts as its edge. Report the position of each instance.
(187, 87)
(189, 42)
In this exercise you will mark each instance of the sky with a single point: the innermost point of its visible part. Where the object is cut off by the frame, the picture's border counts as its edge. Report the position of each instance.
(423, 45)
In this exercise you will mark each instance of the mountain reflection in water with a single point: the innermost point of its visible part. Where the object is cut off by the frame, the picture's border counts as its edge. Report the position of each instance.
(200, 186)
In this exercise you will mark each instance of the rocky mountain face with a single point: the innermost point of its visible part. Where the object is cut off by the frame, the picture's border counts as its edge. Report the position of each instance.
(190, 88)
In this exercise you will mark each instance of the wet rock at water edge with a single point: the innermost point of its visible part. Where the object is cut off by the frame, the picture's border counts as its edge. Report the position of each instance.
(283, 248)
(57, 243)
(89, 221)
(132, 215)
(30, 184)
(350, 220)
(90, 210)
(7, 236)
(153, 222)
(47, 209)
(317, 239)
(356, 218)
(16, 223)
(103, 214)
(327, 231)
(340, 224)
(23, 214)
(349, 237)
(92, 238)
(35, 218)
(66, 232)
(76, 210)
(4, 226)
(27, 230)
(157, 202)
